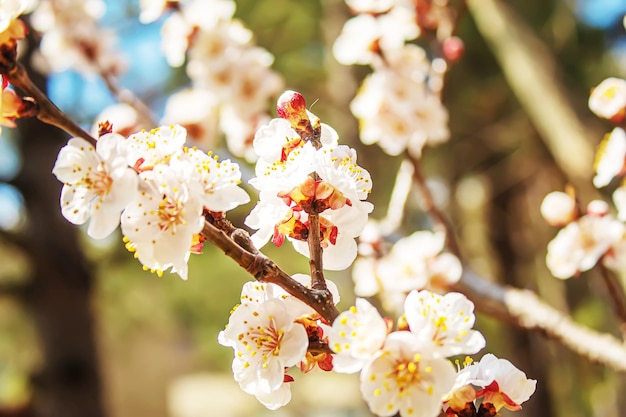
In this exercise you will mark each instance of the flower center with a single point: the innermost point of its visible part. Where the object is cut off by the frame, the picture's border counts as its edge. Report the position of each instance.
(407, 375)
(314, 196)
(263, 340)
(99, 181)
(170, 213)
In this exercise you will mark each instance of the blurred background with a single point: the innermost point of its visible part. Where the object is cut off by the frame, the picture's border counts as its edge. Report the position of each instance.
(85, 332)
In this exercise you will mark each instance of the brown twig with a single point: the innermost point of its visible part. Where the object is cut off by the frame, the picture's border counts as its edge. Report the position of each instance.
(48, 112)
(315, 253)
(441, 223)
(616, 294)
(265, 270)
(126, 96)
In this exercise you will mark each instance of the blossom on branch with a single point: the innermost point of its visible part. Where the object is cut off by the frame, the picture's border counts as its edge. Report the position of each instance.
(500, 384)
(226, 70)
(266, 341)
(404, 378)
(355, 336)
(415, 262)
(162, 188)
(161, 222)
(610, 158)
(608, 99)
(301, 171)
(580, 245)
(396, 107)
(98, 182)
(268, 336)
(445, 322)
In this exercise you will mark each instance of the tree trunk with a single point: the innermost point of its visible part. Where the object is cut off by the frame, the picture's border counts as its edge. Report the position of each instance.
(59, 298)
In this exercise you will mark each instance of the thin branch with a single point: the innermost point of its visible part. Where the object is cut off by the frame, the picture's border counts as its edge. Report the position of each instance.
(526, 310)
(48, 112)
(126, 96)
(616, 294)
(264, 269)
(441, 223)
(315, 253)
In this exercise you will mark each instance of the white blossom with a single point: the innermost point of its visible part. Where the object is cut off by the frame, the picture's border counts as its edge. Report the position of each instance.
(161, 222)
(73, 39)
(416, 262)
(610, 158)
(579, 245)
(503, 384)
(558, 208)
(265, 340)
(395, 107)
(608, 99)
(403, 378)
(219, 180)
(363, 35)
(98, 183)
(444, 321)
(157, 146)
(355, 336)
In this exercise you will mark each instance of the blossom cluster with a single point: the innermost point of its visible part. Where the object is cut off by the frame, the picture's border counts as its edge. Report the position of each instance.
(153, 185)
(406, 371)
(593, 235)
(398, 105)
(72, 37)
(302, 171)
(270, 332)
(231, 78)
(414, 262)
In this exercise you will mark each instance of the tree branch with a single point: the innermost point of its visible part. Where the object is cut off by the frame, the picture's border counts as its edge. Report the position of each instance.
(616, 294)
(218, 231)
(315, 253)
(439, 219)
(523, 308)
(47, 111)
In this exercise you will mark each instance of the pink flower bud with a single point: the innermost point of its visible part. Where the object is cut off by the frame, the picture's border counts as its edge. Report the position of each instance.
(291, 105)
(453, 49)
